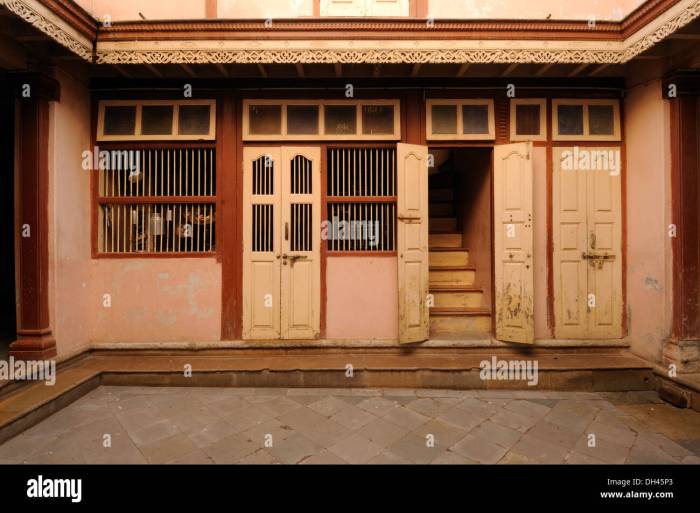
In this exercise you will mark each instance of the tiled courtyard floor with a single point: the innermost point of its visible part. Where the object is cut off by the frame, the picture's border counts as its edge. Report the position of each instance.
(219, 425)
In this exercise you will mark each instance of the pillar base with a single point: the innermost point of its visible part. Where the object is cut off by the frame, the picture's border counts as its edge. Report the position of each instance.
(33, 345)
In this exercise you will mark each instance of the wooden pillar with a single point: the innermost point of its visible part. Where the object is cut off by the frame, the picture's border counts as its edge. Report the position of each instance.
(34, 338)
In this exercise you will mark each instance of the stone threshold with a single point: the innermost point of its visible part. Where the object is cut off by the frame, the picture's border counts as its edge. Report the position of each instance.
(23, 405)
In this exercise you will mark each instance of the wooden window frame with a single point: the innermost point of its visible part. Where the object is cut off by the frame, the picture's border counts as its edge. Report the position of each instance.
(459, 104)
(586, 136)
(321, 136)
(514, 136)
(100, 201)
(139, 104)
(328, 200)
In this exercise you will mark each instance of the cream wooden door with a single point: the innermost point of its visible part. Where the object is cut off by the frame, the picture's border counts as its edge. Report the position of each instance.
(412, 242)
(300, 246)
(587, 243)
(513, 242)
(281, 246)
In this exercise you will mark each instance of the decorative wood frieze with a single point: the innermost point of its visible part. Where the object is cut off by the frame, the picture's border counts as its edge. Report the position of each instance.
(45, 20)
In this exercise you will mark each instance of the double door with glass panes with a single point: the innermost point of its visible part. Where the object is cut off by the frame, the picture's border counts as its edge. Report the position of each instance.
(281, 220)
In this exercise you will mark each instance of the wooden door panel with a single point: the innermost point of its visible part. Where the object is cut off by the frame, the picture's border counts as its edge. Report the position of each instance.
(412, 242)
(513, 243)
(261, 228)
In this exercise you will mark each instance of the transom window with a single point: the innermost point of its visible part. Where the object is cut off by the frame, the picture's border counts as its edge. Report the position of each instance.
(528, 119)
(266, 120)
(156, 120)
(471, 119)
(585, 120)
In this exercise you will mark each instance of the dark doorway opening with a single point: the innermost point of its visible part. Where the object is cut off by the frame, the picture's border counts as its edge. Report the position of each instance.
(460, 214)
(8, 291)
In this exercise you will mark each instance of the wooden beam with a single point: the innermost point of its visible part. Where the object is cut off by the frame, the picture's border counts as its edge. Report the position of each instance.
(262, 70)
(338, 69)
(300, 70)
(509, 69)
(463, 69)
(188, 69)
(154, 70)
(598, 69)
(544, 69)
(577, 70)
(223, 70)
(122, 71)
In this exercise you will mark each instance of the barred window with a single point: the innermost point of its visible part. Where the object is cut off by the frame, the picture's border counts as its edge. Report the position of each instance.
(361, 200)
(156, 200)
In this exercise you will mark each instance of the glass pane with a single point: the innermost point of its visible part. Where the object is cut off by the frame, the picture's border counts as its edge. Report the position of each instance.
(601, 119)
(340, 119)
(194, 119)
(157, 120)
(120, 120)
(527, 119)
(265, 119)
(570, 119)
(444, 119)
(302, 119)
(377, 119)
(475, 119)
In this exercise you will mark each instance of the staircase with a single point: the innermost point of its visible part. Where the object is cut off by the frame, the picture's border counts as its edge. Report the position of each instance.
(458, 309)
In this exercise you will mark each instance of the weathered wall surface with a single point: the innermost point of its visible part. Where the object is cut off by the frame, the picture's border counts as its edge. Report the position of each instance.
(156, 300)
(649, 279)
(69, 213)
(362, 298)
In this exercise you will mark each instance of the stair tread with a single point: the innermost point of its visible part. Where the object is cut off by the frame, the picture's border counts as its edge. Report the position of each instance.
(459, 310)
(445, 249)
(446, 287)
(452, 268)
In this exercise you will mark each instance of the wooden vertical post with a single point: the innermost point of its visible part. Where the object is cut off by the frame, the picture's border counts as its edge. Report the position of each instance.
(34, 337)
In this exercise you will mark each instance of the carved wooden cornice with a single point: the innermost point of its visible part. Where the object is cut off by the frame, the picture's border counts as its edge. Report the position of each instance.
(61, 21)
(351, 41)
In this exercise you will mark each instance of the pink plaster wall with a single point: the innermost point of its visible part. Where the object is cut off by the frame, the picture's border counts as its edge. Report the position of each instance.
(69, 212)
(362, 298)
(476, 9)
(649, 278)
(156, 300)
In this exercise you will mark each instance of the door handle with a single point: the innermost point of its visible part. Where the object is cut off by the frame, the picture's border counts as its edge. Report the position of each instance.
(408, 219)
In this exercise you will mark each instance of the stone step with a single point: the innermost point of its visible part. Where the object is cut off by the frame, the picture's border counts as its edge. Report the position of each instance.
(451, 297)
(459, 320)
(445, 240)
(457, 275)
(448, 257)
(442, 224)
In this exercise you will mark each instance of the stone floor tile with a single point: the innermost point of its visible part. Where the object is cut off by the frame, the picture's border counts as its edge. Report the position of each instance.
(168, 449)
(382, 431)
(416, 448)
(294, 449)
(356, 449)
(405, 418)
(444, 434)
(326, 433)
(603, 450)
(452, 458)
(555, 433)
(259, 457)
(353, 417)
(377, 405)
(513, 420)
(389, 458)
(197, 457)
(461, 418)
(479, 449)
(302, 418)
(325, 457)
(501, 435)
(540, 451)
(232, 448)
(576, 458)
(527, 408)
(329, 406)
